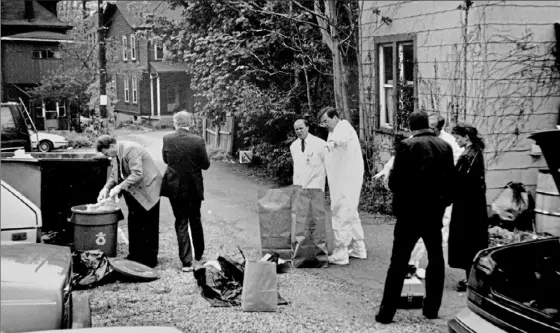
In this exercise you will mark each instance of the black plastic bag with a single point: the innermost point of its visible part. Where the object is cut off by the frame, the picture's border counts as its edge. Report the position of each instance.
(223, 288)
(513, 208)
(89, 268)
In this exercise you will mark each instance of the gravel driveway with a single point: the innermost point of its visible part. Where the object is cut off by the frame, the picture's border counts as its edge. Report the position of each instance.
(335, 299)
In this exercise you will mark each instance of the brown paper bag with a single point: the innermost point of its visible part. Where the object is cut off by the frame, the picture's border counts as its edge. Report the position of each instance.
(275, 220)
(260, 287)
(309, 230)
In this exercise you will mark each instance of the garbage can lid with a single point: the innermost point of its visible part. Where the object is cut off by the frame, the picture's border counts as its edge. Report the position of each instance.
(133, 269)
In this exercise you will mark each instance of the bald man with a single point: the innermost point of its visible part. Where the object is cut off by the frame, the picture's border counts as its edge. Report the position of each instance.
(186, 157)
(308, 155)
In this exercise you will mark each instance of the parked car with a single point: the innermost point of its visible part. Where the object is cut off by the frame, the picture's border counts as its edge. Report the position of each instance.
(15, 134)
(513, 288)
(36, 290)
(45, 142)
(21, 219)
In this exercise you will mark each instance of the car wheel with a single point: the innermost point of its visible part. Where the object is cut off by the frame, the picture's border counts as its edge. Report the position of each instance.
(45, 146)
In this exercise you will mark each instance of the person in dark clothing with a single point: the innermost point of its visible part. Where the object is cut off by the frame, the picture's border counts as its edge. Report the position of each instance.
(421, 183)
(186, 157)
(468, 229)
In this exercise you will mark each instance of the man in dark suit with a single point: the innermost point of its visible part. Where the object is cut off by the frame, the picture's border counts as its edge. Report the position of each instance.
(421, 183)
(135, 176)
(186, 157)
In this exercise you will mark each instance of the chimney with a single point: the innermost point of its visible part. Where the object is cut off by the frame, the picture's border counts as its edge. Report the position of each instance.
(28, 13)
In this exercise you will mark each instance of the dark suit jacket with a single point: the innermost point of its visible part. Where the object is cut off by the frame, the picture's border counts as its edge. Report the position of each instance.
(186, 157)
(141, 177)
(423, 174)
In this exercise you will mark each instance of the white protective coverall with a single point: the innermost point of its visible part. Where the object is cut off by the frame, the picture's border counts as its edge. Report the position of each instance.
(309, 166)
(345, 173)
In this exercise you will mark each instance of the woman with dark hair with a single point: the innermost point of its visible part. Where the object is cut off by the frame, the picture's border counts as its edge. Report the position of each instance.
(468, 229)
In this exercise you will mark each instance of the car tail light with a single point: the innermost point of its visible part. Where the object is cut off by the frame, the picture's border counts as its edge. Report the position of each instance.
(480, 274)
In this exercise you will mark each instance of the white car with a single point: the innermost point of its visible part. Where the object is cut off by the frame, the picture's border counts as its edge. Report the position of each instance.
(47, 141)
(21, 219)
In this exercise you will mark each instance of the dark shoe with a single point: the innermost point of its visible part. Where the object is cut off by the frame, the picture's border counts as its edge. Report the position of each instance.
(461, 286)
(430, 315)
(383, 319)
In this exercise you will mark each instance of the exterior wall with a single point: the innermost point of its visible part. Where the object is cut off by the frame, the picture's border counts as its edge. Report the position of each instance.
(144, 98)
(506, 92)
(18, 65)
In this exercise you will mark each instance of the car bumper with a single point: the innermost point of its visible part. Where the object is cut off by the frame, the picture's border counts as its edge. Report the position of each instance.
(467, 321)
(81, 312)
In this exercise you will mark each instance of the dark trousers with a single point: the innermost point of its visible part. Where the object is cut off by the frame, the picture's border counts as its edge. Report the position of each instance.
(143, 232)
(187, 215)
(408, 230)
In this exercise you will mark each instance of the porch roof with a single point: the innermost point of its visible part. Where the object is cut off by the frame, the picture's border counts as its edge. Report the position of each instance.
(39, 36)
(162, 67)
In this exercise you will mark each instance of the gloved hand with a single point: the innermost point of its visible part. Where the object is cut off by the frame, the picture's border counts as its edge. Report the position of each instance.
(330, 145)
(103, 194)
(115, 191)
(385, 174)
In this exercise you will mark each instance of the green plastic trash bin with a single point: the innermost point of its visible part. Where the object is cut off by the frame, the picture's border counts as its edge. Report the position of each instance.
(96, 230)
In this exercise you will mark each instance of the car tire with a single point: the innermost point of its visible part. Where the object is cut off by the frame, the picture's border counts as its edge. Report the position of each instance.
(45, 146)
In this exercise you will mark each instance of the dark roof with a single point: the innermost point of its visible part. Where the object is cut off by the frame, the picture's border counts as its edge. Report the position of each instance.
(159, 8)
(13, 11)
(39, 35)
(165, 67)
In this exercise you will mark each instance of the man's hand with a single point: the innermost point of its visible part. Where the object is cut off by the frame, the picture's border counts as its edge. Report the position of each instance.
(115, 191)
(103, 194)
(385, 175)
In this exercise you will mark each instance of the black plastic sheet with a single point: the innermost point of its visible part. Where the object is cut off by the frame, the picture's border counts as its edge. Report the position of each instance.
(89, 268)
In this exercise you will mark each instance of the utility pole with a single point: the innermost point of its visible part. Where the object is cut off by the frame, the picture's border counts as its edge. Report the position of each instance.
(102, 62)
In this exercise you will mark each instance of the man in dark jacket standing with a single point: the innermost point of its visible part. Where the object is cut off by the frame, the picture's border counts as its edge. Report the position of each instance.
(421, 183)
(186, 157)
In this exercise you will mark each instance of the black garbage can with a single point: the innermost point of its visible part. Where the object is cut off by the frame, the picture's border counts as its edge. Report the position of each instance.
(56, 182)
(96, 230)
(549, 141)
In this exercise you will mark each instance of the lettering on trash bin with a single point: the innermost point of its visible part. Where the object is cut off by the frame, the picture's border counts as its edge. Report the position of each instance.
(100, 239)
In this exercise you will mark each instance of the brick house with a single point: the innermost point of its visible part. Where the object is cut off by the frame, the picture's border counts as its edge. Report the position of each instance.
(147, 87)
(31, 36)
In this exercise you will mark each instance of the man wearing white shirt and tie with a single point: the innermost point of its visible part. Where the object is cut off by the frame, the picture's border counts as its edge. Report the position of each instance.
(308, 155)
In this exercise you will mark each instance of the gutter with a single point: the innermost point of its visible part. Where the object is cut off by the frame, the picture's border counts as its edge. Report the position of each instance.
(38, 40)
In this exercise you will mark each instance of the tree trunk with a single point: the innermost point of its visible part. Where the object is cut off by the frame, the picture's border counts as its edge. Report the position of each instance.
(308, 87)
(361, 86)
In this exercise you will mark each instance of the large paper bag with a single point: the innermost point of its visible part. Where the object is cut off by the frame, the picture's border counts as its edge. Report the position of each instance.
(275, 220)
(260, 287)
(309, 230)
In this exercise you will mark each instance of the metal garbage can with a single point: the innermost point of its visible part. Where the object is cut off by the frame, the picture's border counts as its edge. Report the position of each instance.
(96, 230)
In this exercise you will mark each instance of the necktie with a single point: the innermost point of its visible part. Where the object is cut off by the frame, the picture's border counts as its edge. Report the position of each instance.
(302, 146)
(119, 165)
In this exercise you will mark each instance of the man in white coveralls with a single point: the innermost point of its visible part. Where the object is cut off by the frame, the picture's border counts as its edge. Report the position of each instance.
(345, 172)
(436, 123)
(308, 155)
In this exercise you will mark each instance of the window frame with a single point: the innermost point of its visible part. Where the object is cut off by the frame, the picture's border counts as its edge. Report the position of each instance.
(134, 81)
(126, 89)
(124, 40)
(132, 47)
(156, 46)
(394, 41)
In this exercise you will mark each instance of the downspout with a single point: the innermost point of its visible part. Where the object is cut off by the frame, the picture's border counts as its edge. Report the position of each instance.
(158, 98)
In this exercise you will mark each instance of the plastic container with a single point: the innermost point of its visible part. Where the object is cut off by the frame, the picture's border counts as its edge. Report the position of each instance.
(96, 230)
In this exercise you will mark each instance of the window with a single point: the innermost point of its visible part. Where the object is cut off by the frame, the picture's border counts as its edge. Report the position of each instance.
(396, 81)
(125, 46)
(50, 109)
(158, 50)
(134, 90)
(132, 47)
(126, 91)
(61, 109)
(46, 54)
(7, 120)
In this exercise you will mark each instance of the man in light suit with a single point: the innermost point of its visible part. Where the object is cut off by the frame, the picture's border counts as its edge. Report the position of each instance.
(186, 157)
(135, 176)
(308, 155)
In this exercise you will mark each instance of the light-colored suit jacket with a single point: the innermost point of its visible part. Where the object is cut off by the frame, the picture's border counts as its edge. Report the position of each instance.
(142, 178)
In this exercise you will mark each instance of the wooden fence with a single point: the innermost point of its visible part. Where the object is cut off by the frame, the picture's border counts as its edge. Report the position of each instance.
(221, 136)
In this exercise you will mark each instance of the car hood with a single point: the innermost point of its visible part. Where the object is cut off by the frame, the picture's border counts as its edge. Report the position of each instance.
(38, 264)
(47, 136)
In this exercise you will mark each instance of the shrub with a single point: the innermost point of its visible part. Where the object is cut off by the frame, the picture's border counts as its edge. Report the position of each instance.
(76, 140)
